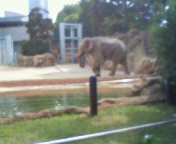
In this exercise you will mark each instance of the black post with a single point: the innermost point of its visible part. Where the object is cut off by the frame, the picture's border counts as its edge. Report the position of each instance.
(93, 95)
(170, 91)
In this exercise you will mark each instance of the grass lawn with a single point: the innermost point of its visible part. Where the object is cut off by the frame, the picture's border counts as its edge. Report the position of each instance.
(26, 132)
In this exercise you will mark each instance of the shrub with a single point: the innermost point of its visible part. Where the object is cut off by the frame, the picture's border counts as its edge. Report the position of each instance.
(40, 31)
(165, 44)
(30, 47)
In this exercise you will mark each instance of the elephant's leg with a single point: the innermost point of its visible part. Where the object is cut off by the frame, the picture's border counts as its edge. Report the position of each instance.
(96, 69)
(98, 59)
(113, 69)
(126, 69)
(124, 63)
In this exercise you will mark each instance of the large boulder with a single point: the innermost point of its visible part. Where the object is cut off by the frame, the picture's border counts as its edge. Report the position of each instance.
(46, 59)
(138, 46)
(41, 60)
(50, 59)
(146, 66)
(149, 87)
(25, 61)
(38, 60)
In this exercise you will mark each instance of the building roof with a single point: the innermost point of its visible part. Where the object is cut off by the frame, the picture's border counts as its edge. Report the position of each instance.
(13, 21)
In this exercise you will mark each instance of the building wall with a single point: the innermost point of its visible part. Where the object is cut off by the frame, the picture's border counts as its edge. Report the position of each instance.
(18, 33)
(10, 43)
(7, 55)
(12, 14)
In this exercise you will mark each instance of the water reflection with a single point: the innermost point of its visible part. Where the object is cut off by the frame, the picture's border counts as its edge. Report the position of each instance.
(11, 106)
(8, 107)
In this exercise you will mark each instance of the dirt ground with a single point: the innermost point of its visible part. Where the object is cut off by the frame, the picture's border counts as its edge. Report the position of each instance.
(70, 73)
(12, 73)
(33, 80)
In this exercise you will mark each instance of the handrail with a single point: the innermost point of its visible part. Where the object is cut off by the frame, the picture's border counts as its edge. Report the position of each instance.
(105, 133)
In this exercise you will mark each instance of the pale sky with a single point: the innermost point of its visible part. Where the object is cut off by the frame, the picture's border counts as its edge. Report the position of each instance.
(21, 6)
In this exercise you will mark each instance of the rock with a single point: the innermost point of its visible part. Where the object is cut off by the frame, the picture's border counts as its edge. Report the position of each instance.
(137, 43)
(41, 60)
(152, 90)
(25, 61)
(131, 61)
(146, 66)
(151, 87)
(49, 59)
(38, 60)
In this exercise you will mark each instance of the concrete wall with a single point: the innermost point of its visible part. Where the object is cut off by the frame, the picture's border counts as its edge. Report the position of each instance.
(9, 38)
(18, 33)
(7, 55)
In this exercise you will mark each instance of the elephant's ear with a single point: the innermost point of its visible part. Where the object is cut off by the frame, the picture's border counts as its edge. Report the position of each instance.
(89, 45)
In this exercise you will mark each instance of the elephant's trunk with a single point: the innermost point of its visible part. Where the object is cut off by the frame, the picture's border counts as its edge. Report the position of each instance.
(81, 59)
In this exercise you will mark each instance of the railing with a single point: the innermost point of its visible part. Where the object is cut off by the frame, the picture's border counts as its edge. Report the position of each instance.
(106, 133)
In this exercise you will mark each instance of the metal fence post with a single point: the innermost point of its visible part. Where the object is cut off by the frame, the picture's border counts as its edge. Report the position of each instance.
(170, 90)
(93, 95)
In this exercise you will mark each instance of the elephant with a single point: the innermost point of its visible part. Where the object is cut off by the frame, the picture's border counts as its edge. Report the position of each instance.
(102, 49)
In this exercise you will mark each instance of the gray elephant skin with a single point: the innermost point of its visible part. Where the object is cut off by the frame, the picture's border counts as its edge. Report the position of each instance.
(102, 49)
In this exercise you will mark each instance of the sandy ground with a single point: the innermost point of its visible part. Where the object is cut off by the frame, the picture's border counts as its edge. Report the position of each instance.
(9, 73)
(69, 71)
(15, 79)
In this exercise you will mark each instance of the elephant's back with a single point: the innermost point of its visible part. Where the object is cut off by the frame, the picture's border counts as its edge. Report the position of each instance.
(112, 48)
(107, 42)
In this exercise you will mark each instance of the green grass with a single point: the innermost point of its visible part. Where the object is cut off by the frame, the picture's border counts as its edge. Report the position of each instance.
(25, 132)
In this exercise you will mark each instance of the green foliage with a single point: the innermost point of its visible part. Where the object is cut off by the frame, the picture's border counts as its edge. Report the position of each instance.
(41, 34)
(38, 27)
(104, 17)
(165, 41)
(34, 47)
(33, 131)
(70, 13)
(99, 17)
(147, 139)
(111, 25)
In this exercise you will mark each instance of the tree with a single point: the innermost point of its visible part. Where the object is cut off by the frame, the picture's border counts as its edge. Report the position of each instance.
(102, 17)
(70, 13)
(105, 17)
(94, 16)
(41, 33)
(165, 42)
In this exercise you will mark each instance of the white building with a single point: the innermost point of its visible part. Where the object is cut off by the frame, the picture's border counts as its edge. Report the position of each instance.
(12, 32)
(12, 14)
(42, 4)
(14, 26)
